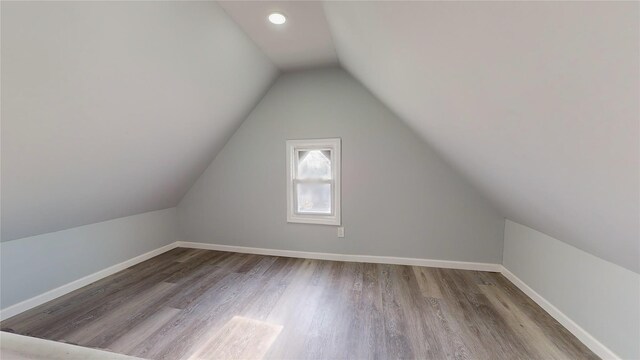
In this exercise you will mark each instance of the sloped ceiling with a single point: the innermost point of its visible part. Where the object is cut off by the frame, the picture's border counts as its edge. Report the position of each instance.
(536, 102)
(111, 109)
(115, 108)
(303, 41)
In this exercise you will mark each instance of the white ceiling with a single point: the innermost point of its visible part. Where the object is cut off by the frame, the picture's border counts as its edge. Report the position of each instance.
(303, 41)
(115, 108)
(536, 102)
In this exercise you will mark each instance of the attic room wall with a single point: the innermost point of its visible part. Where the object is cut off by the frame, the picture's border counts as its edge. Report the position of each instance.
(398, 197)
(535, 102)
(114, 108)
(604, 298)
(34, 265)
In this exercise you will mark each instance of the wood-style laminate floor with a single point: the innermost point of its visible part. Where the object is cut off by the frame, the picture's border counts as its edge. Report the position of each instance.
(202, 304)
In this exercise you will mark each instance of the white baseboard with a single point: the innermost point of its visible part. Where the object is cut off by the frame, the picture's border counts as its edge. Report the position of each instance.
(462, 265)
(591, 342)
(586, 338)
(74, 285)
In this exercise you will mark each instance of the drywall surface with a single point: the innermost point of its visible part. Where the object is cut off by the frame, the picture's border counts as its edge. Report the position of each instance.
(600, 296)
(115, 108)
(33, 265)
(535, 102)
(398, 197)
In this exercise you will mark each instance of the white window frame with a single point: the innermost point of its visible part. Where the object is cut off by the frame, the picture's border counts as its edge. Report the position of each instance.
(293, 146)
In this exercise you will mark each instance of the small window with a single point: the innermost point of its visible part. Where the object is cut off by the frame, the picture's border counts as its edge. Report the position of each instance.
(313, 181)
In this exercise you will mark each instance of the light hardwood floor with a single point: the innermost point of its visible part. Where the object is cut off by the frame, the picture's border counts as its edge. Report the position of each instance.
(203, 304)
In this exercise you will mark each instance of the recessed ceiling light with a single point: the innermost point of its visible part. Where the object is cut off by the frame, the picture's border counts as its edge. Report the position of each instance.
(277, 18)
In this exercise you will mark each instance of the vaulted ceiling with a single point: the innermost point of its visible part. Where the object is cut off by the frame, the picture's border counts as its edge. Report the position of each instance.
(303, 41)
(111, 109)
(536, 102)
(115, 108)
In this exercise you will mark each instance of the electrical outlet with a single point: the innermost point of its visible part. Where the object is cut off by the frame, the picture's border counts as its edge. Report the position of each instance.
(341, 232)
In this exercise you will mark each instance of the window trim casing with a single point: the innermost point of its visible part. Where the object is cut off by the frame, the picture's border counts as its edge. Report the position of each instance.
(332, 144)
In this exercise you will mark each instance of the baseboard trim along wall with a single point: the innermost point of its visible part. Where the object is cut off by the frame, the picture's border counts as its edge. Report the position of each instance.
(585, 337)
(447, 264)
(76, 284)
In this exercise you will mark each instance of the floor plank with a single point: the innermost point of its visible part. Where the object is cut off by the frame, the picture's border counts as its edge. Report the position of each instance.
(203, 304)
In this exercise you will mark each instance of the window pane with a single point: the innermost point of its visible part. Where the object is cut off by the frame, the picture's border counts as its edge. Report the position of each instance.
(314, 198)
(314, 164)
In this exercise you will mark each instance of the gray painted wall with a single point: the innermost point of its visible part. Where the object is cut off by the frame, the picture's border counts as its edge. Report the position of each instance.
(398, 197)
(34, 265)
(600, 296)
(115, 108)
(535, 102)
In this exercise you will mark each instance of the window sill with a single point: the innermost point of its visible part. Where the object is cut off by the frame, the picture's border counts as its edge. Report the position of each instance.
(314, 220)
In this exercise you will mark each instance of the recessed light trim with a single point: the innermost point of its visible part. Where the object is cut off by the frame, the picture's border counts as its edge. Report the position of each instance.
(277, 18)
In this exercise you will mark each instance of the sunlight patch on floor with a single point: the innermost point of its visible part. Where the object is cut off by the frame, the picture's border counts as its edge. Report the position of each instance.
(240, 338)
